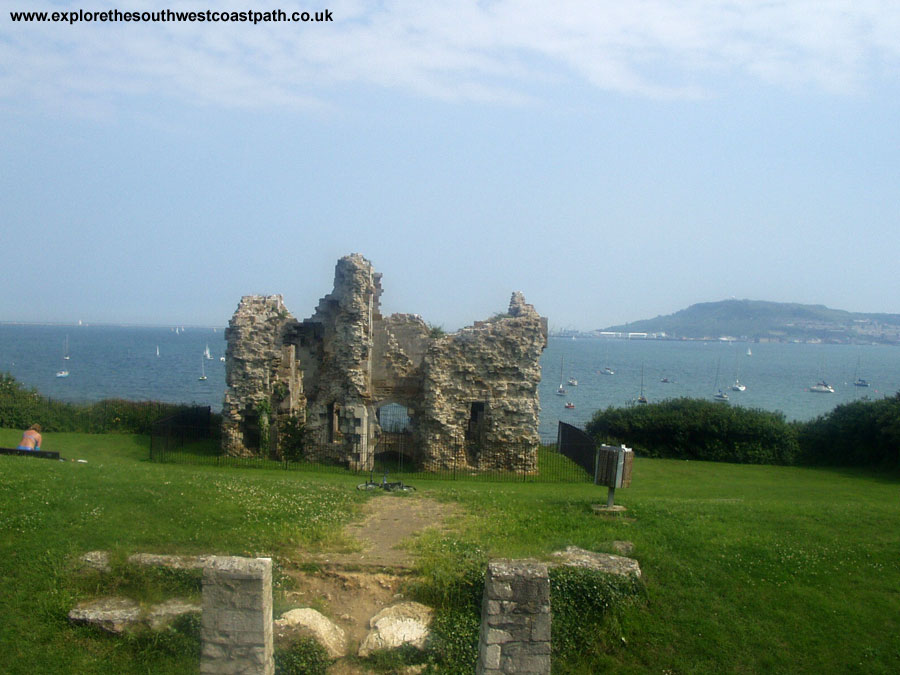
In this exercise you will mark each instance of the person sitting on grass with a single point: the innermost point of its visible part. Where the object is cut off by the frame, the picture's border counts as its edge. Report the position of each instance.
(31, 439)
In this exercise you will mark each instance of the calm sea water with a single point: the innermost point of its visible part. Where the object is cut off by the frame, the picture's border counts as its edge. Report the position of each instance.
(121, 362)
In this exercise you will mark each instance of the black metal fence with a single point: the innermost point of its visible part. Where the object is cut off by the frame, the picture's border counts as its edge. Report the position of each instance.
(185, 434)
(184, 440)
(577, 446)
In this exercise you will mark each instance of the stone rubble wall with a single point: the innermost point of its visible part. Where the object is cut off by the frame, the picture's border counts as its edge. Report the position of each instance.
(515, 619)
(236, 626)
(496, 363)
(255, 360)
(336, 368)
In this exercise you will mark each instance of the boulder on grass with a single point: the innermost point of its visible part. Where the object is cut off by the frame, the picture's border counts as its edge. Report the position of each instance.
(404, 624)
(111, 614)
(95, 560)
(307, 621)
(600, 562)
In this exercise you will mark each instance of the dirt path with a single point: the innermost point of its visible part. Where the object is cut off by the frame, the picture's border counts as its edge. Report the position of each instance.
(352, 587)
(388, 521)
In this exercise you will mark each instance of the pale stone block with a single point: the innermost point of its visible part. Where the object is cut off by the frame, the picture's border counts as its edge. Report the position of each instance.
(494, 636)
(492, 657)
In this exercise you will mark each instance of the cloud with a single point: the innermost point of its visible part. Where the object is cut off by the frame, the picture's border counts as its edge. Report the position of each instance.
(467, 50)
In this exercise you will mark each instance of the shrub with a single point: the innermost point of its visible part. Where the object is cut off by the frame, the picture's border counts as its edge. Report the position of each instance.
(862, 433)
(21, 407)
(688, 428)
(304, 657)
(292, 438)
(586, 605)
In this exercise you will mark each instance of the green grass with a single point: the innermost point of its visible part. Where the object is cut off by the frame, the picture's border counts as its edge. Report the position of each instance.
(747, 569)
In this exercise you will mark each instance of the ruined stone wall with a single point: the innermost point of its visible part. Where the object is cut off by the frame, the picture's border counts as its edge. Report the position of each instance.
(340, 391)
(400, 343)
(260, 373)
(480, 401)
(472, 395)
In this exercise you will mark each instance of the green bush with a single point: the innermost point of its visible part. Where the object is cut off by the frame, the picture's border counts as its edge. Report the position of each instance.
(687, 428)
(304, 657)
(452, 581)
(292, 438)
(20, 407)
(585, 606)
(862, 433)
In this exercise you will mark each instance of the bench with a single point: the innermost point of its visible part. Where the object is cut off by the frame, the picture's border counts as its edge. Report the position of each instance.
(43, 454)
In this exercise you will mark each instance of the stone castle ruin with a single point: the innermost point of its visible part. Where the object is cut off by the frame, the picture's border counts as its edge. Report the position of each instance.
(470, 397)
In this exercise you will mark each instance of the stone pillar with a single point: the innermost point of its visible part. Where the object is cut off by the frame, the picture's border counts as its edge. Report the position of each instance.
(236, 629)
(515, 619)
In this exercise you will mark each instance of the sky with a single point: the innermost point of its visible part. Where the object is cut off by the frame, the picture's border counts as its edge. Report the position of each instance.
(612, 160)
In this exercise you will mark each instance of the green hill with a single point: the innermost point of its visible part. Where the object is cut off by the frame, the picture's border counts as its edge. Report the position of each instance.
(756, 319)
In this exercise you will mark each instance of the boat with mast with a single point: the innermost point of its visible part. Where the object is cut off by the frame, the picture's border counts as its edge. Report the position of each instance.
(64, 372)
(858, 381)
(738, 385)
(561, 391)
(202, 371)
(641, 398)
(720, 396)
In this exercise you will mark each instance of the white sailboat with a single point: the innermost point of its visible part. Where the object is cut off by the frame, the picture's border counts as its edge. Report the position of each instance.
(822, 387)
(202, 371)
(157, 351)
(64, 372)
(641, 398)
(738, 385)
(719, 396)
(562, 390)
(207, 354)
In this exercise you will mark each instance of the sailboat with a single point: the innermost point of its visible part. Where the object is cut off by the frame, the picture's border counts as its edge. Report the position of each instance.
(202, 371)
(207, 354)
(737, 386)
(720, 395)
(157, 351)
(859, 382)
(749, 353)
(641, 398)
(562, 390)
(64, 372)
(606, 369)
(821, 387)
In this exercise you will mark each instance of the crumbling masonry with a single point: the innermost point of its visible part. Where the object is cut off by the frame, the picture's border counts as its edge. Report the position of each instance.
(471, 396)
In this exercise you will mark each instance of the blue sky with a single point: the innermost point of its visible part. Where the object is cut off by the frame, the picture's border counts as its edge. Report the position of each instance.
(612, 160)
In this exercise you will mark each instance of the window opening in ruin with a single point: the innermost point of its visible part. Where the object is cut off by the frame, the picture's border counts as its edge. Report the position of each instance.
(394, 450)
(334, 423)
(475, 428)
(250, 430)
(393, 418)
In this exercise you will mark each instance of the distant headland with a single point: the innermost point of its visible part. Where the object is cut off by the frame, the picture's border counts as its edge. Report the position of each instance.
(761, 321)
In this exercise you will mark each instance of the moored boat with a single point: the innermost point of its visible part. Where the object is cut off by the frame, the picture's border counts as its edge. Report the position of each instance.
(822, 387)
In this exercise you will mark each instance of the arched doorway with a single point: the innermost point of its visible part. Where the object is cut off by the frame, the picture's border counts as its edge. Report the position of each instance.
(394, 451)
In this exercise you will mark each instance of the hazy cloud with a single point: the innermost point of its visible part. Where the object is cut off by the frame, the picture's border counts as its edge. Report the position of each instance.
(504, 50)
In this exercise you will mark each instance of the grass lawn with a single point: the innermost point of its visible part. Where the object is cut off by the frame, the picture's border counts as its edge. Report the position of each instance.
(748, 569)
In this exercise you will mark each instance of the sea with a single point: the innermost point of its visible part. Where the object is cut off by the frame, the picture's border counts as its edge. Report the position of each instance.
(165, 364)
